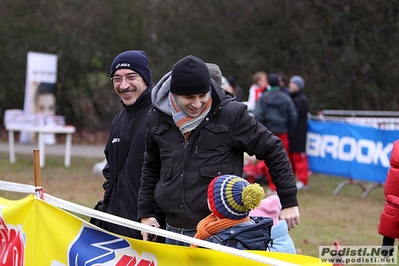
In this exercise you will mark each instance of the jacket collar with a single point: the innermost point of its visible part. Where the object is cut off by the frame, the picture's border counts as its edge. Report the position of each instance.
(142, 101)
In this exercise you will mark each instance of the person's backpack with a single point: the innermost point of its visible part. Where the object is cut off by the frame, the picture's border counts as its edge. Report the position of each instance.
(249, 236)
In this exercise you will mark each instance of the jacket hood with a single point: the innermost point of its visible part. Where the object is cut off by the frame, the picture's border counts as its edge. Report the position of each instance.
(160, 94)
(279, 230)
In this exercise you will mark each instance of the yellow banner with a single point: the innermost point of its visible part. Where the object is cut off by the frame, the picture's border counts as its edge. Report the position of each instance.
(33, 232)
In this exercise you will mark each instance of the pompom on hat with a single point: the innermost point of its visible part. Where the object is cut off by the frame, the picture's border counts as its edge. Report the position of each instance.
(269, 207)
(298, 80)
(233, 197)
(135, 60)
(190, 75)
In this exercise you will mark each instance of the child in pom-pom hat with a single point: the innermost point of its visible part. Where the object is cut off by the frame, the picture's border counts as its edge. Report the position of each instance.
(281, 240)
(230, 198)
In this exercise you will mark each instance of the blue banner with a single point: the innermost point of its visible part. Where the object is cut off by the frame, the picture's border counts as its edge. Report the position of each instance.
(348, 150)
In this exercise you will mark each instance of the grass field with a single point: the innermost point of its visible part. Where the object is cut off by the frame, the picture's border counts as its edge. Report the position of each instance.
(325, 218)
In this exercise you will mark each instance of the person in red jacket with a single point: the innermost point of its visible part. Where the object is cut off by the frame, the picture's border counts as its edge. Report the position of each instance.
(389, 220)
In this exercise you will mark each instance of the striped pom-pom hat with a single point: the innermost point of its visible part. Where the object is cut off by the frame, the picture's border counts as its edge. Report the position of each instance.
(233, 197)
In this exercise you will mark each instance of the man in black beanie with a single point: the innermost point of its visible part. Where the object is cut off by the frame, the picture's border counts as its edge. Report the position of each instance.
(276, 111)
(131, 79)
(196, 131)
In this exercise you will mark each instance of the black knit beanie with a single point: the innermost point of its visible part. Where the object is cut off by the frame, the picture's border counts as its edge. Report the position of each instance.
(135, 60)
(273, 80)
(190, 75)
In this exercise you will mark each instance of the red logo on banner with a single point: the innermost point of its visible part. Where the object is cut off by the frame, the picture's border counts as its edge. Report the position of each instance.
(132, 261)
(96, 247)
(11, 246)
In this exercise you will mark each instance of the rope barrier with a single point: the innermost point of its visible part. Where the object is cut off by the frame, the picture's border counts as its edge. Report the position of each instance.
(76, 208)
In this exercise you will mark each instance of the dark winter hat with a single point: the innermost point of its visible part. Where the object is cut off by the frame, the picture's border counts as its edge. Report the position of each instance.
(190, 75)
(233, 197)
(215, 73)
(135, 60)
(298, 80)
(273, 80)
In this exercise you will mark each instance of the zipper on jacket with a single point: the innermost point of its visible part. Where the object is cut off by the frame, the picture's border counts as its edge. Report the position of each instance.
(198, 141)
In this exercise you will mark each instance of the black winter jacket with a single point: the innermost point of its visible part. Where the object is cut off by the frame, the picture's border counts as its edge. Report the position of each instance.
(176, 173)
(123, 198)
(298, 136)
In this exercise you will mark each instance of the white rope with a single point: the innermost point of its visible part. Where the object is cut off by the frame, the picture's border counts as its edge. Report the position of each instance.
(16, 187)
(73, 207)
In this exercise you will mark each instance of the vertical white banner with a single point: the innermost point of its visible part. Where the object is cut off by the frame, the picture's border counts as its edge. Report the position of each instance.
(41, 77)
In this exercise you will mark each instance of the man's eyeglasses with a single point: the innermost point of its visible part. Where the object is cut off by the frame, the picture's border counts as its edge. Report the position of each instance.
(129, 77)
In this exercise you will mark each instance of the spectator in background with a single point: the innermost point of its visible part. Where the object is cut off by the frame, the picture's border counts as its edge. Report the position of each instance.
(282, 82)
(215, 73)
(226, 86)
(197, 131)
(132, 81)
(389, 220)
(276, 111)
(236, 88)
(255, 171)
(259, 83)
(297, 138)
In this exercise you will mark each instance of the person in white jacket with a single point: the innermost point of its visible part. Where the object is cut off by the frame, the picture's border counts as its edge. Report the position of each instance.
(259, 80)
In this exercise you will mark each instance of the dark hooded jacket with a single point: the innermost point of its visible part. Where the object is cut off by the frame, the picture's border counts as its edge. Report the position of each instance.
(276, 110)
(176, 172)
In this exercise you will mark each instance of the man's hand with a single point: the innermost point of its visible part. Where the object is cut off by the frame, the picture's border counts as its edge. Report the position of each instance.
(152, 222)
(291, 216)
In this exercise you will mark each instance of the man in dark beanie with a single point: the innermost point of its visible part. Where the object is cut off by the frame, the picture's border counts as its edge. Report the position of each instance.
(276, 111)
(196, 131)
(131, 79)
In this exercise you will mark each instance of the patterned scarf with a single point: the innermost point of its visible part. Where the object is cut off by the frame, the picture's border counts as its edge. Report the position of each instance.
(211, 225)
(185, 123)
